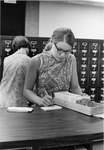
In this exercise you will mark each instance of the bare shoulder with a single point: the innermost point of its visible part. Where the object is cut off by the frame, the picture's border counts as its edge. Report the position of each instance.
(34, 62)
(34, 59)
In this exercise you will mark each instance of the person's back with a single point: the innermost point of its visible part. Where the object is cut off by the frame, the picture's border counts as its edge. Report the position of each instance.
(12, 83)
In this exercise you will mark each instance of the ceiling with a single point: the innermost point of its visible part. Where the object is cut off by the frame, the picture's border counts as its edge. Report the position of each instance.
(80, 2)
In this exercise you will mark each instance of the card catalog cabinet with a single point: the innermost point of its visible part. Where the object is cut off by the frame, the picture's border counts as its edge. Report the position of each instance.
(89, 54)
(90, 61)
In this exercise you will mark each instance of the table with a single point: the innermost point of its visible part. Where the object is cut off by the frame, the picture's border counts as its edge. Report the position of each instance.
(55, 128)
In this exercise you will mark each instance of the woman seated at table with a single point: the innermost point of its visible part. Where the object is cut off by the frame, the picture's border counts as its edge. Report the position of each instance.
(53, 70)
(14, 71)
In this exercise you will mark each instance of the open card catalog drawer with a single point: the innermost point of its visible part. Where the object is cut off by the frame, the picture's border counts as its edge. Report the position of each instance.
(78, 103)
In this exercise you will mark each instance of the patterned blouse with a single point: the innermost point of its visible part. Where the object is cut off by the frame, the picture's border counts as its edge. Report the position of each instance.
(53, 75)
(12, 83)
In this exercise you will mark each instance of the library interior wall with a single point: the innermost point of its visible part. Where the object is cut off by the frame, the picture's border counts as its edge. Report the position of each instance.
(85, 21)
(43, 17)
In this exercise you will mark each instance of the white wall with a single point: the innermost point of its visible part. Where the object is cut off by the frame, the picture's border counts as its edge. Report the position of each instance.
(85, 21)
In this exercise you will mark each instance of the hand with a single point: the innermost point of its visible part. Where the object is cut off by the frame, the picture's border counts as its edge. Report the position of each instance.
(47, 100)
(84, 94)
(83, 101)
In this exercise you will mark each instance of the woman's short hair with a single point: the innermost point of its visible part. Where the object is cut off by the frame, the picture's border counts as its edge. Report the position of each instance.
(20, 42)
(59, 35)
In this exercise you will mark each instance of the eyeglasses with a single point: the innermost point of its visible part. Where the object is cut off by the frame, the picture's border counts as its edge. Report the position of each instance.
(60, 50)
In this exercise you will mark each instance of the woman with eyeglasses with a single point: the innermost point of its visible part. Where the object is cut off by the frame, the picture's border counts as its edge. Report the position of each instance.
(53, 70)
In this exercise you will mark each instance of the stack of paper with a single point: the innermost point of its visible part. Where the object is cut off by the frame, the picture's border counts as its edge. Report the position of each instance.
(19, 109)
(54, 107)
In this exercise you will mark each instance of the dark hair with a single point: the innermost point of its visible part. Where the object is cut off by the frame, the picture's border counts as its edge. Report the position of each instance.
(20, 41)
(59, 35)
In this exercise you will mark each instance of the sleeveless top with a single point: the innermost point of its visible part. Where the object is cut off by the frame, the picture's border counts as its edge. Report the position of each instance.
(12, 83)
(53, 75)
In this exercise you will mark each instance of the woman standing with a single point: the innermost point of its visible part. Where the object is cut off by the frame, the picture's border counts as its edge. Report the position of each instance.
(53, 70)
(14, 71)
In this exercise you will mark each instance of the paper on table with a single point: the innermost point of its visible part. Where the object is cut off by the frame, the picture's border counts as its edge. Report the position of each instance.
(19, 109)
(54, 107)
(99, 115)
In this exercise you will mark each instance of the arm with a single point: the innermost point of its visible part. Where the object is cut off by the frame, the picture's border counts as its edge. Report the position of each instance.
(75, 88)
(30, 81)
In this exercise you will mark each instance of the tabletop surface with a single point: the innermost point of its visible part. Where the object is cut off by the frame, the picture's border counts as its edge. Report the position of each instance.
(55, 124)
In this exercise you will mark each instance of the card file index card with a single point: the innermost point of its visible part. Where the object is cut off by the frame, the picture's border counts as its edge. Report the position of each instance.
(54, 107)
(19, 109)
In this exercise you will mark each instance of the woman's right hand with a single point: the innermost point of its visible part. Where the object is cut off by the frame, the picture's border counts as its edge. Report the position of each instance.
(47, 100)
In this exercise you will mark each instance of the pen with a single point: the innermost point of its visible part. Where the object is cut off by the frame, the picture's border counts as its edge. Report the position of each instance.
(52, 94)
(46, 92)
